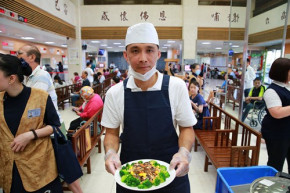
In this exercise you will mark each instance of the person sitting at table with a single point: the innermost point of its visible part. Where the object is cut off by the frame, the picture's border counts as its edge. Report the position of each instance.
(58, 82)
(92, 104)
(255, 94)
(199, 105)
(77, 79)
(76, 95)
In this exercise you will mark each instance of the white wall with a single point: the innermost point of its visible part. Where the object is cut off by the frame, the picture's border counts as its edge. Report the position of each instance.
(91, 15)
(206, 16)
(49, 6)
(258, 23)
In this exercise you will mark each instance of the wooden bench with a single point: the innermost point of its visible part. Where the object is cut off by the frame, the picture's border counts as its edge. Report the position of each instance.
(226, 147)
(79, 140)
(63, 94)
(234, 95)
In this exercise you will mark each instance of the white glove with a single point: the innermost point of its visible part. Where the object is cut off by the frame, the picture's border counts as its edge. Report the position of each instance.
(181, 160)
(112, 161)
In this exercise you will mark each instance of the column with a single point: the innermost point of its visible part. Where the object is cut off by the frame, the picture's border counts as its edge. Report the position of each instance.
(189, 29)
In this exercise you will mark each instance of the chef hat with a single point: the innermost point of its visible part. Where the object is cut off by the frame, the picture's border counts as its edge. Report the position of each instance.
(142, 33)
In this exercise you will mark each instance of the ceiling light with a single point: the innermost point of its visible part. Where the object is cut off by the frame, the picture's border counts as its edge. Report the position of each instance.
(117, 43)
(49, 42)
(63, 45)
(27, 38)
(109, 47)
(95, 42)
(164, 47)
(0, 31)
(121, 46)
(170, 41)
(205, 43)
(103, 44)
(168, 45)
(235, 46)
(218, 48)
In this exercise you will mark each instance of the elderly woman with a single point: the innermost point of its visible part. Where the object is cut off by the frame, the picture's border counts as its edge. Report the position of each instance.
(92, 104)
(27, 115)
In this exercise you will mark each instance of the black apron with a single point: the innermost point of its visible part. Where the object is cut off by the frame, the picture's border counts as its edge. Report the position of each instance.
(149, 132)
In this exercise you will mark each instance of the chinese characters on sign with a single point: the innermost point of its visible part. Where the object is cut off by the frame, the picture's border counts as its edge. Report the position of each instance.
(267, 20)
(283, 15)
(104, 16)
(235, 18)
(216, 16)
(65, 8)
(162, 16)
(144, 15)
(56, 5)
(123, 16)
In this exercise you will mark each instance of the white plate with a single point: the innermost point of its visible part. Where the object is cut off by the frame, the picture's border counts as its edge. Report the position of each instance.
(168, 180)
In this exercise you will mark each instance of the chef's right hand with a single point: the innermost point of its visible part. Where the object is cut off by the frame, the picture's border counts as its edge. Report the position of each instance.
(112, 161)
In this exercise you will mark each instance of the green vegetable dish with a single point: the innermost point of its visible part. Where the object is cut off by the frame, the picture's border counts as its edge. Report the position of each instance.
(144, 175)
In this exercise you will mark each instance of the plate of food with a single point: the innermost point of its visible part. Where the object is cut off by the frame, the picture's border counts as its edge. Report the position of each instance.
(144, 175)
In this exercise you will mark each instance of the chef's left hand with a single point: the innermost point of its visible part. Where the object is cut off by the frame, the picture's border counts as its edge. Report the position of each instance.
(181, 160)
(19, 143)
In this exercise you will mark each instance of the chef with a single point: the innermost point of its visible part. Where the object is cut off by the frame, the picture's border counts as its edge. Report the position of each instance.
(149, 106)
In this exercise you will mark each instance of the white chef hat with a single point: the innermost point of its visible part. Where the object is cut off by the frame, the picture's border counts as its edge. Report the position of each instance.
(141, 33)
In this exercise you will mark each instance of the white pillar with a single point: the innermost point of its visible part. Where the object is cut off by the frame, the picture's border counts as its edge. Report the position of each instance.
(74, 46)
(189, 29)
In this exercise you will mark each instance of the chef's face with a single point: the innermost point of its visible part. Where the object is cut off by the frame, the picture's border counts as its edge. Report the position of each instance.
(142, 57)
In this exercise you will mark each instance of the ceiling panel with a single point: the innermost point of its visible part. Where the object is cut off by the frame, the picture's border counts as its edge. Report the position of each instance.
(18, 30)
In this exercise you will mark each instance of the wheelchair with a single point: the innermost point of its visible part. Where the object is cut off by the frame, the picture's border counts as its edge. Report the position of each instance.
(257, 113)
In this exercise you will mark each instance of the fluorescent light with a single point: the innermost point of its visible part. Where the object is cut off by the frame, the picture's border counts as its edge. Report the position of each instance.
(63, 45)
(95, 42)
(218, 48)
(27, 38)
(164, 47)
(49, 42)
(235, 46)
(109, 47)
(170, 41)
(168, 45)
(117, 43)
(121, 46)
(0, 31)
(205, 43)
(103, 44)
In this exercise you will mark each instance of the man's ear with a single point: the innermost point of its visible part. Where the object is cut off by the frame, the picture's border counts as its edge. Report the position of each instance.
(32, 57)
(159, 54)
(125, 55)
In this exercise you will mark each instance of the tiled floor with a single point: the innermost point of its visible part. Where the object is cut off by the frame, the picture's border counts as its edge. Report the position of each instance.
(201, 182)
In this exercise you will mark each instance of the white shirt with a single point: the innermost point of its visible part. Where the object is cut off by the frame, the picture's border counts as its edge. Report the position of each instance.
(182, 114)
(271, 97)
(42, 80)
(250, 75)
(102, 79)
(57, 85)
(90, 74)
